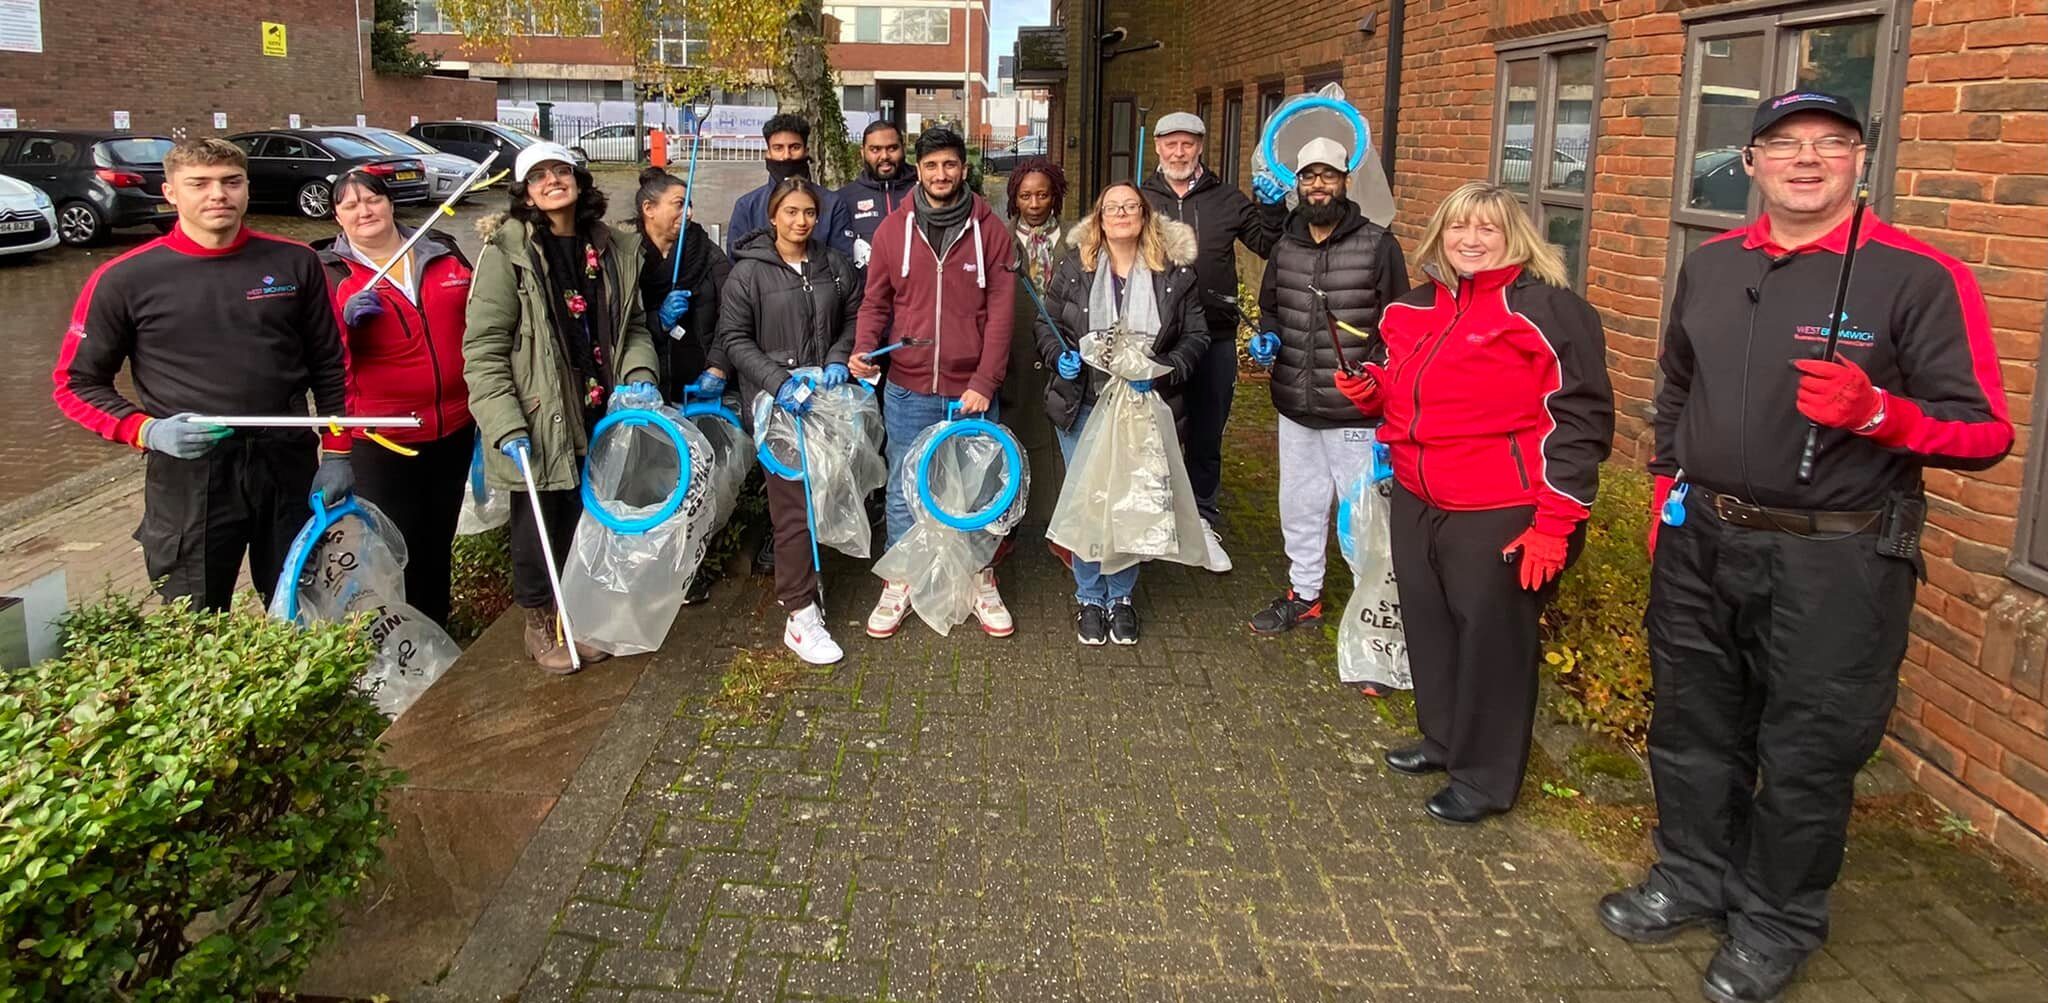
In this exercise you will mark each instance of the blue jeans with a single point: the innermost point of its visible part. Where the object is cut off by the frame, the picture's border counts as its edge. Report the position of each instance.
(905, 414)
(1091, 586)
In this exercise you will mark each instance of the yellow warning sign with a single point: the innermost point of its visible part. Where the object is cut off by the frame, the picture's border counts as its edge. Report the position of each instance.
(273, 38)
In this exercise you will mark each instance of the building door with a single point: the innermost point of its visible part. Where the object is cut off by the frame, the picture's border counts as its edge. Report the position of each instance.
(1122, 141)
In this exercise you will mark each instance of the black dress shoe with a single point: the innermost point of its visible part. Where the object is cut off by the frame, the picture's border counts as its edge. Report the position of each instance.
(1643, 915)
(1740, 974)
(1411, 761)
(1450, 806)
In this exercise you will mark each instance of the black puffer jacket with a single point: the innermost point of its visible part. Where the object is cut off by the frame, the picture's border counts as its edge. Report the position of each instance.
(1183, 329)
(1222, 216)
(703, 273)
(1361, 270)
(772, 320)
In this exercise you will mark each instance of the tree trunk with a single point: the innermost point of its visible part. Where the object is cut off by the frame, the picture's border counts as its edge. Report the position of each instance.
(806, 89)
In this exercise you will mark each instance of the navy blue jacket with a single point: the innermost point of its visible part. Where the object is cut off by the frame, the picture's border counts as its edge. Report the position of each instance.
(750, 216)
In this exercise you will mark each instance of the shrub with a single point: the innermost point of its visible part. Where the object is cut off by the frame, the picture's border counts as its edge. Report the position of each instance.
(186, 798)
(1594, 641)
(480, 582)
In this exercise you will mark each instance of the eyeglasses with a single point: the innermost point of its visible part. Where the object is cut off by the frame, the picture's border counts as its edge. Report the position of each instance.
(1123, 209)
(546, 171)
(1786, 147)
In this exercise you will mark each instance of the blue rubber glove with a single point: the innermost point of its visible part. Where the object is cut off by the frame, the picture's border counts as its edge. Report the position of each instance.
(180, 436)
(793, 397)
(710, 384)
(360, 307)
(335, 479)
(1268, 188)
(637, 394)
(673, 307)
(516, 446)
(1069, 365)
(1142, 386)
(1264, 348)
(835, 375)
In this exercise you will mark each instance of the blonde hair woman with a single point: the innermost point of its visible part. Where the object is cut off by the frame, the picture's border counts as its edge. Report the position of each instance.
(1497, 416)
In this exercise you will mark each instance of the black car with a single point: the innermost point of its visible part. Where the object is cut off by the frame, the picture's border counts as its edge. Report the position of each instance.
(298, 168)
(100, 181)
(1005, 160)
(477, 140)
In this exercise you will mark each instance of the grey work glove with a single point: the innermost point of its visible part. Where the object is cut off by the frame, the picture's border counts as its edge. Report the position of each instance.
(180, 436)
(335, 479)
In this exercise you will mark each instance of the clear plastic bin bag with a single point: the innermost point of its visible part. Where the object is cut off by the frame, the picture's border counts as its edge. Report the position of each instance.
(348, 560)
(732, 458)
(484, 508)
(637, 540)
(842, 450)
(1371, 646)
(977, 478)
(1127, 498)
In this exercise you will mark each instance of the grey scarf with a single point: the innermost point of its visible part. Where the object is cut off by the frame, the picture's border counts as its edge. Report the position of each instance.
(942, 224)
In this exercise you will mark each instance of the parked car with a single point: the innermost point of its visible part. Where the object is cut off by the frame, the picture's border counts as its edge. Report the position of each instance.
(1566, 170)
(476, 140)
(28, 220)
(445, 171)
(1719, 182)
(1005, 160)
(615, 142)
(100, 181)
(298, 168)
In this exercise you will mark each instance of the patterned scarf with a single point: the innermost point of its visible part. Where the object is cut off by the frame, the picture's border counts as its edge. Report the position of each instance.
(1039, 244)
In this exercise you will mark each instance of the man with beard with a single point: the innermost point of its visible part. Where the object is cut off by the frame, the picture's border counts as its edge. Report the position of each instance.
(883, 184)
(1184, 191)
(1330, 262)
(789, 155)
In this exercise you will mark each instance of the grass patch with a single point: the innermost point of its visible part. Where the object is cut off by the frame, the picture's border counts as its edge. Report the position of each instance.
(1593, 759)
(750, 683)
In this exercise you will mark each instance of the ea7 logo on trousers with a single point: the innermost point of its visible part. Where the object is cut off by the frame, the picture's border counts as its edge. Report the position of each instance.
(1851, 334)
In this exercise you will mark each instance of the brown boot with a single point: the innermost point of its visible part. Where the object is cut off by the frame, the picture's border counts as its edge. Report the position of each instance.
(544, 643)
(590, 655)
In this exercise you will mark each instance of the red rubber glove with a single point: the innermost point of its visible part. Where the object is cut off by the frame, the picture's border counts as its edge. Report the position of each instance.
(1363, 391)
(1542, 557)
(1659, 493)
(1836, 394)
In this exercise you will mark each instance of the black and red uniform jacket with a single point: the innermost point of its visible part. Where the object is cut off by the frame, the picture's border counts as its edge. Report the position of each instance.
(408, 359)
(1496, 396)
(245, 329)
(1745, 308)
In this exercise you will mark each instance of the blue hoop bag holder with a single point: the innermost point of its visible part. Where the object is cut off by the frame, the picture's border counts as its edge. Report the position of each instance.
(483, 509)
(1370, 644)
(836, 449)
(348, 560)
(646, 486)
(966, 484)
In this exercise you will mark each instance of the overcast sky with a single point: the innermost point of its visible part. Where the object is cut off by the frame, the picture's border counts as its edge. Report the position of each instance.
(1005, 16)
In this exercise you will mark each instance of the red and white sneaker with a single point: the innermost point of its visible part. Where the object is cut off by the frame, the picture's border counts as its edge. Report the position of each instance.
(806, 635)
(989, 608)
(889, 610)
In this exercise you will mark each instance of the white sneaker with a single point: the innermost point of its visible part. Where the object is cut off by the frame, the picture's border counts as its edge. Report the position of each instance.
(989, 608)
(806, 635)
(1216, 561)
(889, 610)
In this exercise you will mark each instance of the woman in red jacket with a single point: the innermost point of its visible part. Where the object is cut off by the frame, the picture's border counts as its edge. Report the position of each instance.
(1497, 417)
(404, 340)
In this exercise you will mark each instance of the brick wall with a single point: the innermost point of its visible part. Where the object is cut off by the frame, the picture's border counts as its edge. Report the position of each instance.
(1972, 134)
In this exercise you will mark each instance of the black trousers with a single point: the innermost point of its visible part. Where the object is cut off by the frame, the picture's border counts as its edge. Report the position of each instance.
(422, 495)
(1473, 641)
(1775, 661)
(796, 585)
(1207, 399)
(248, 495)
(560, 510)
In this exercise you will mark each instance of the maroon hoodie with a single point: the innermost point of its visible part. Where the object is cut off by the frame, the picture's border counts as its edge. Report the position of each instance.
(961, 305)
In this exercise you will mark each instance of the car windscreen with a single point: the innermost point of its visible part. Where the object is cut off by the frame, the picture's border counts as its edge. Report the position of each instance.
(398, 142)
(344, 146)
(137, 152)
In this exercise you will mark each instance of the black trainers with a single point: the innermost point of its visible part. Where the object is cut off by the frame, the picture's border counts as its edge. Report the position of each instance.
(1091, 625)
(764, 558)
(1123, 622)
(1287, 613)
(699, 588)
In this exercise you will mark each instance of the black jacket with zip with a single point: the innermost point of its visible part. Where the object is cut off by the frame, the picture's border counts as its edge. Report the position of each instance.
(1360, 271)
(1222, 217)
(1183, 330)
(772, 319)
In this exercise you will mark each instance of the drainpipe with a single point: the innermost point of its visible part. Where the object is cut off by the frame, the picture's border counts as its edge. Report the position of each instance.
(1390, 123)
(1092, 138)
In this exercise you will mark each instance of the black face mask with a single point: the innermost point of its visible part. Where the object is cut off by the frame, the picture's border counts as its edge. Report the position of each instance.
(782, 170)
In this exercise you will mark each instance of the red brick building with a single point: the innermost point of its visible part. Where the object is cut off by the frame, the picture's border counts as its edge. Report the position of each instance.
(171, 68)
(1617, 118)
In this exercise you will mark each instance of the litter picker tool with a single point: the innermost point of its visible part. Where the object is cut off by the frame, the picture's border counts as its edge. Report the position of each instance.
(905, 343)
(675, 270)
(447, 206)
(1039, 302)
(1809, 452)
(1144, 114)
(803, 460)
(547, 553)
(1344, 363)
(336, 424)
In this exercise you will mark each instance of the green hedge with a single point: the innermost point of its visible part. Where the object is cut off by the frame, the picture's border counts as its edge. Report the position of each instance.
(186, 798)
(479, 582)
(1594, 641)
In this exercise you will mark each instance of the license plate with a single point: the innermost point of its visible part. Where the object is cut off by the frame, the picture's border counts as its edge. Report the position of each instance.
(17, 226)
(408, 175)
(164, 209)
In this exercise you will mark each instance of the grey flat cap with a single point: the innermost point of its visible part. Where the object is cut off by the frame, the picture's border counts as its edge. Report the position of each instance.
(1181, 121)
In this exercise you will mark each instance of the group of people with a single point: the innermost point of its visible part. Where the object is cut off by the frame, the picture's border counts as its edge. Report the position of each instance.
(1779, 601)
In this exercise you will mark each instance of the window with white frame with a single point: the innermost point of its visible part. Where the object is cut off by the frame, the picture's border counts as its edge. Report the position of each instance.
(1546, 117)
(893, 25)
(427, 18)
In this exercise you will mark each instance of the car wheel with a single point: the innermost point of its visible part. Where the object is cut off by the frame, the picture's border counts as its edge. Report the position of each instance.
(316, 200)
(79, 224)
(1576, 179)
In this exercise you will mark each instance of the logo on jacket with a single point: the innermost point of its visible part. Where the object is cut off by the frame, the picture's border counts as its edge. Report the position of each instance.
(1851, 334)
(865, 205)
(270, 289)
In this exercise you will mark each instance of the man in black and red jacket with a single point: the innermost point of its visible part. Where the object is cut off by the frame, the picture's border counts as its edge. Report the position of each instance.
(1779, 609)
(211, 318)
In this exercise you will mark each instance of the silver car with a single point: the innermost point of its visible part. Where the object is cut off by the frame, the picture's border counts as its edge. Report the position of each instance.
(444, 170)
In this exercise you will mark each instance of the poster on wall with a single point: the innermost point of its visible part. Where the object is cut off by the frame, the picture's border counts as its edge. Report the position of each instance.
(220, 120)
(21, 25)
(273, 39)
(293, 122)
(8, 119)
(120, 121)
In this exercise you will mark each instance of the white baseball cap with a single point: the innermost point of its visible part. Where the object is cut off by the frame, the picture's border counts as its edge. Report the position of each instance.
(538, 154)
(1323, 150)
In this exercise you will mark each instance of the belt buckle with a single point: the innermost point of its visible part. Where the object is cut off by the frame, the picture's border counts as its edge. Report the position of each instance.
(1724, 507)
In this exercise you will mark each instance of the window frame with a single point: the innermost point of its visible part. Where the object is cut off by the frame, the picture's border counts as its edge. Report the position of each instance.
(1545, 51)
(1233, 128)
